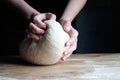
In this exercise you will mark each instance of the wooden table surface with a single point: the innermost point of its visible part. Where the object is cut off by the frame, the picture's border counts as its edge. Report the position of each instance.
(77, 67)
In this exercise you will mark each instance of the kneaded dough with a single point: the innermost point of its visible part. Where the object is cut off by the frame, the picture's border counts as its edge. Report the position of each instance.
(49, 49)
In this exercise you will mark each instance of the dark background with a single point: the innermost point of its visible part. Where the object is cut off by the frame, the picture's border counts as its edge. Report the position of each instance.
(98, 25)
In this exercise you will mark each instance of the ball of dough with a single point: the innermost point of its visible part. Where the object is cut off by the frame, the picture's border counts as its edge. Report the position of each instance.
(49, 49)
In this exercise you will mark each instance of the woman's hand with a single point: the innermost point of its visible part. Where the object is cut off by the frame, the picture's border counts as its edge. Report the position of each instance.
(37, 26)
(71, 44)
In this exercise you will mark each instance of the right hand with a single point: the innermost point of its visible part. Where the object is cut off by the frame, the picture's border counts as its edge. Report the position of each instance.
(71, 44)
(37, 27)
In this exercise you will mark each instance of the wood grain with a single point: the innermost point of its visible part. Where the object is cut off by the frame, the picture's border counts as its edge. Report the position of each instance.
(78, 67)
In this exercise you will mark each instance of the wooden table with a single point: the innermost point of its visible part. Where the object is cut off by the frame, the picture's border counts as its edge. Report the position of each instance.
(77, 67)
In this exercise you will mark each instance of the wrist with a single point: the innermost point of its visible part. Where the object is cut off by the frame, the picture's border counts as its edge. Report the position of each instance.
(64, 20)
(33, 15)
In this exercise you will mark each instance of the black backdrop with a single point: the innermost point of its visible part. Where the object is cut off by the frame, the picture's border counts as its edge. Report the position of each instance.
(99, 27)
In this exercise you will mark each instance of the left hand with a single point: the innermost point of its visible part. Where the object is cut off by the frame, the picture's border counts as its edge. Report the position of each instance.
(37, 27)
(71, 44)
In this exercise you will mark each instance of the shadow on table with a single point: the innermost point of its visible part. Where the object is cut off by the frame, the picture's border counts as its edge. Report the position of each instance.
(16, 60)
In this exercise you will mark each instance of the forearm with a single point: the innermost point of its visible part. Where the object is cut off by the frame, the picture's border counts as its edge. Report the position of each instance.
(72, 9)
(25, 9)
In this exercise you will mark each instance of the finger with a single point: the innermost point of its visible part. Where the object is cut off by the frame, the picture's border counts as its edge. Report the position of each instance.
(50, 16)
(39, 22)
(71, 41)
(72, 47)
(73, 37)
(66, 25)
(27, 31)
(73, 32)
(32, 36)
(67, 54)
(35, 29)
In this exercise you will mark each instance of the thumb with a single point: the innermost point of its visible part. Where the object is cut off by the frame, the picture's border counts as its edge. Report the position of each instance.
(66, 27)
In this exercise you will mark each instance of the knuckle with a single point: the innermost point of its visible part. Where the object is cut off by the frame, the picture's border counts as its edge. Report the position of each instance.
(75, 47)
(38, 31)
(51, 14)
(54, 15)
(76, 32)
(35, 19)
(30, 25)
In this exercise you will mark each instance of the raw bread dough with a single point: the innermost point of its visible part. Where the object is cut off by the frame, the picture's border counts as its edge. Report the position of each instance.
(49, 49)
